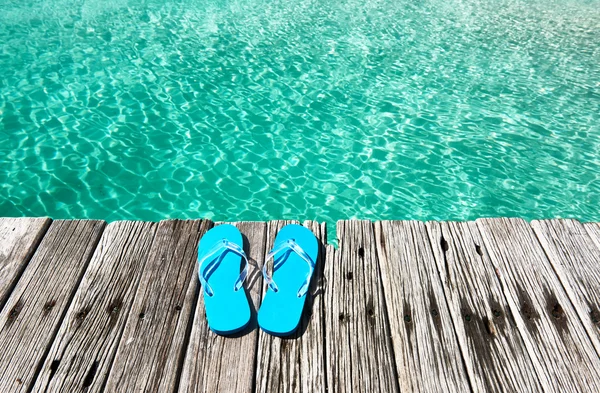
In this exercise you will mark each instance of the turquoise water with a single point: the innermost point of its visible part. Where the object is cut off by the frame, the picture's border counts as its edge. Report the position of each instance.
(308, 109)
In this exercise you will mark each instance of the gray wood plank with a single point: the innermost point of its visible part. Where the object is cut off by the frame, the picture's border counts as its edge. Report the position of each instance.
(495, 356)
(296, 363)
(85, 346)
(428, 358)
(359, 351)
(150, 354)
(34, 310)
(226, 364)
(593, 230)
(576, 260)
(557, 343)
(19, 238)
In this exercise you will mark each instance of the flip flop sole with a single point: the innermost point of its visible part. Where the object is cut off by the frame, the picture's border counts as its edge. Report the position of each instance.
(228, 310)
(281, 311)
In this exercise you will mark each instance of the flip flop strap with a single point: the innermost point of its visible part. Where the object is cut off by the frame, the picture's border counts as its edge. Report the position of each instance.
(215, 253)
(295, 247)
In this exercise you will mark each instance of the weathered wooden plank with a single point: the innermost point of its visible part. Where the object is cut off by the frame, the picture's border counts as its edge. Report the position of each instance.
(359, 351)
(19, 238)
(593, 230)
(576, 260)
(427, 353)
(34, 310)
(150, 354)
(495, 356)
(226, 364)
(558, 345)
(85, 346)
(295, 364)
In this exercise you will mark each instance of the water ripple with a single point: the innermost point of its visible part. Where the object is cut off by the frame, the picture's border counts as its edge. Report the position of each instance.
(255, 109)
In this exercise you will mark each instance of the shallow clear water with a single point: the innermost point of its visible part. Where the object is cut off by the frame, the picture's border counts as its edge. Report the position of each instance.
(308, 109)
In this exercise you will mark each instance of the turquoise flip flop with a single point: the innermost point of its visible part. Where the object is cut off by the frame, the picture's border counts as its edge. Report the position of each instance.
(294, 257)
(219, 256)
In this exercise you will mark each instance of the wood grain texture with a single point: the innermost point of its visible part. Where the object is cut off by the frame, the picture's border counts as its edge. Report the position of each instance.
(150, 354)
(427, 353)
(19, 238)
(593, 230)
(295, 363)
(495, 356)
(558, 345)
(576, 260)
(359, 351)
(35, 309)
(226, 364)
(85, 346)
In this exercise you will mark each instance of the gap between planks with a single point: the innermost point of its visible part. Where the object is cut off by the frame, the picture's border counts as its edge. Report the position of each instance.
(36, 307)
(84, 348)
(575, 258)
(19, 239)
(558, 344)
(492, 348)
(426, 350)
(359, 349)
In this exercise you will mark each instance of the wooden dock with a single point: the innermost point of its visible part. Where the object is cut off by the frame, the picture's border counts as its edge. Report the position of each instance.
(494, 305)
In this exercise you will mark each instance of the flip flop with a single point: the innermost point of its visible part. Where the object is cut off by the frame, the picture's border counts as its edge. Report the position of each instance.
(220, 252)
(294, 256)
